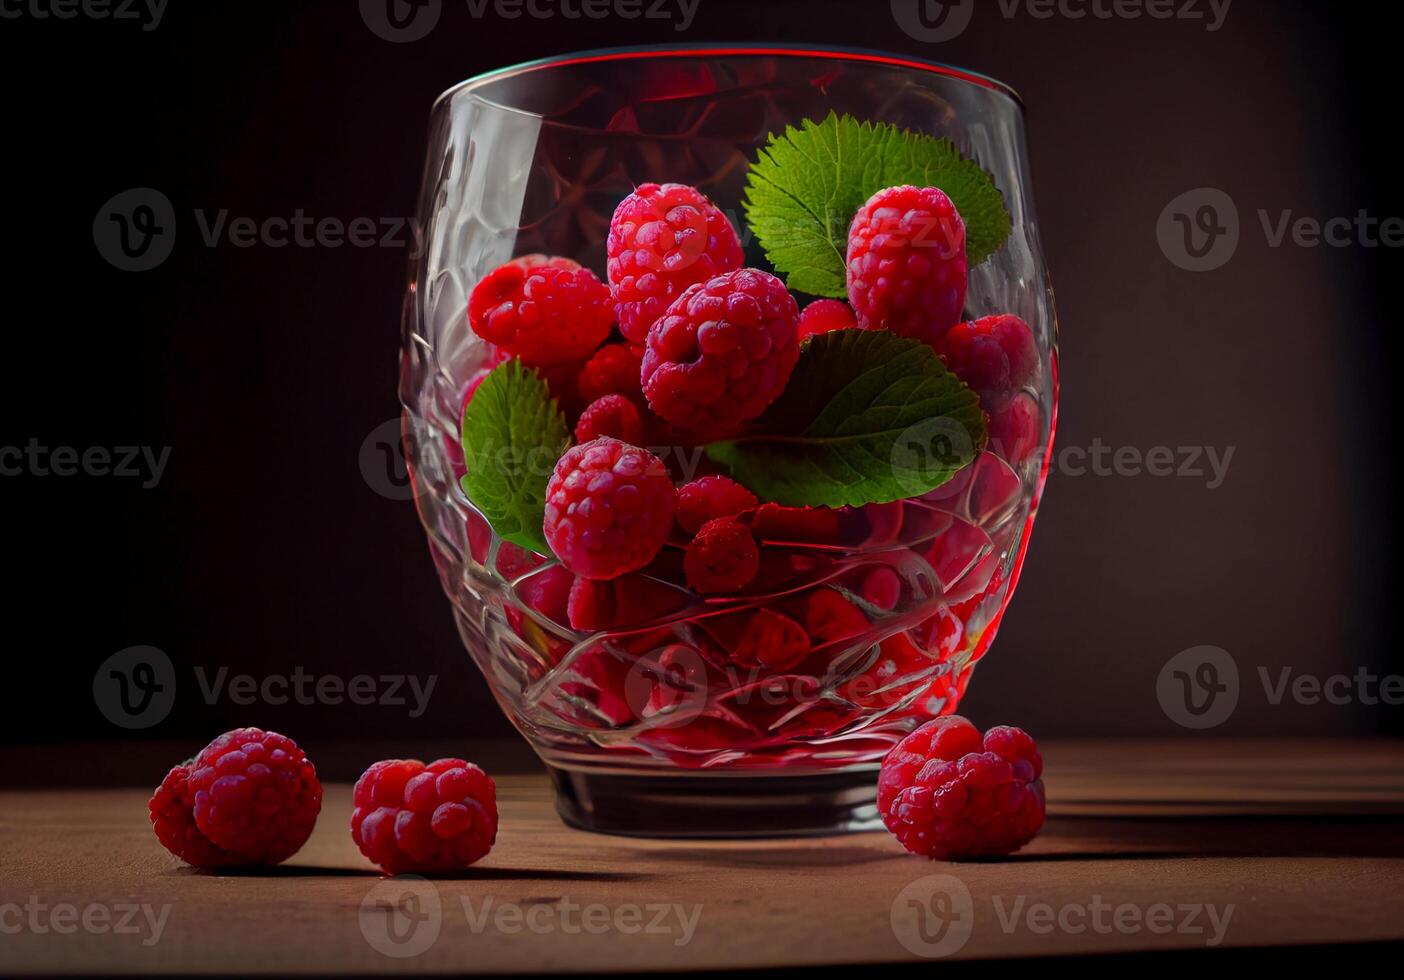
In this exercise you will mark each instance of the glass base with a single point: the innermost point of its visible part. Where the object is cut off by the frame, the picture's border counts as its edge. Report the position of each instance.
(716, 806)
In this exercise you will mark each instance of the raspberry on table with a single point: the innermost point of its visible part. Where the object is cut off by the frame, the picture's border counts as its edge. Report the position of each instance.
(542, 309)
(662, 239)
(949, 795)
(722, 352)
(434, 819)
(614, 416)
(824, 315)
(993, 355)
(609, 508)
(250, 794)
(173, 820)
(709, 497)
(722, 558)
(907, 263)
(612, 370)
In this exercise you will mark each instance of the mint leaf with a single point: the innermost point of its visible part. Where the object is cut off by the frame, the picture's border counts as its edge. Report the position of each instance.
(808, 183)
(867, 417)
(513, 433)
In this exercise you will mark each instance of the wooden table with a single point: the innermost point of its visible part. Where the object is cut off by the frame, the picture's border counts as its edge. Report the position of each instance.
(1149, 846)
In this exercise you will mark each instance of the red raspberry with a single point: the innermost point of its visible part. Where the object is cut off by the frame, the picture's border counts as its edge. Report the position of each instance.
(612, 370)
(947, 795)
(609, 508)
(710, 497)
(434, 819)
(722, 558)
(906, 263)
(614, 416)
(174, 823)
(829, 616)
(543, 310)
(797, 525)
(824, 315)
(662, 239)
(993, 354)
(882, 587)
(630, 600)
(254, 794)
(771, 640)
(1014, 429)
(722, 352)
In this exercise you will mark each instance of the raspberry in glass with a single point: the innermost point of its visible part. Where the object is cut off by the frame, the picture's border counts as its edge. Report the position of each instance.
(542, 309)
(993, 355)
(630, 600)
(771, 640)
(434, 819)
(609, 508)
(1014, 429)
(722, 352)
(252, 794)
(709, 497)
(662, 239)
(948, 794)
(824, 315)
(907, 263)
(723, 557)
(614, 416)
(612, 370)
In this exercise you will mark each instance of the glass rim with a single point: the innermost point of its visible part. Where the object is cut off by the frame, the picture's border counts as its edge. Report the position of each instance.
(723, 50)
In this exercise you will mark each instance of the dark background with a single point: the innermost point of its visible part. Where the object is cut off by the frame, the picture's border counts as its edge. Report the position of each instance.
(266, 369)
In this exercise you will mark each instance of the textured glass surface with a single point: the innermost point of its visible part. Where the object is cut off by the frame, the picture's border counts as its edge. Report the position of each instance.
(535, 160)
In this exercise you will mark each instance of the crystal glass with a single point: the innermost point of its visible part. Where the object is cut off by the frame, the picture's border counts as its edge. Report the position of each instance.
(658, 728)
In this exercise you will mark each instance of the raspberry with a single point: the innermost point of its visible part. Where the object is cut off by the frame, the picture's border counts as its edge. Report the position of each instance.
(797, 525)
(722, 558)
(710, 497)
(612, 370)
(609, 508)
(174, 823)
(722, 352)
(771, 640)
(253, 794)
(906, 263)
(614, 416)
(662, 239)
(945, 794)
(824, 315)
(882, 587)
(1014, 429)
(541, 309)
(434, 819)
(829, 616)
(993, 355)
(630, 600)
(941, 634)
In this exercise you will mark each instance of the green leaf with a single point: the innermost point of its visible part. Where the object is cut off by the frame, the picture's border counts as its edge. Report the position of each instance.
(808, 183)
(867, 417)
(513, 433)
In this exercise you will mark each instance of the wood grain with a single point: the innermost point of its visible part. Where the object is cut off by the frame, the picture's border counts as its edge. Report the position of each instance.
(1294, 843)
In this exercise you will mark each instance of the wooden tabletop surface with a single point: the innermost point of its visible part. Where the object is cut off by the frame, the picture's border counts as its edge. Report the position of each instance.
(1149, 846)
